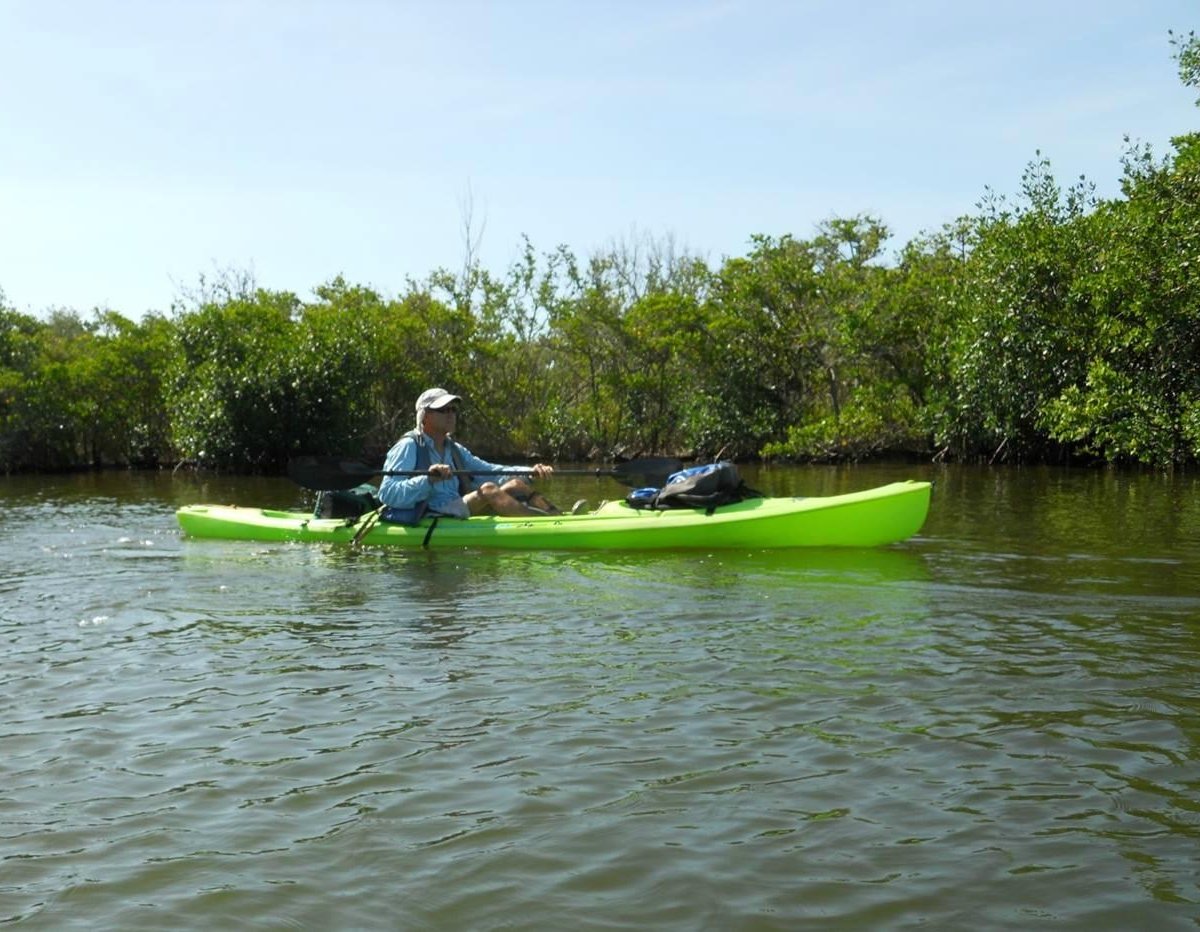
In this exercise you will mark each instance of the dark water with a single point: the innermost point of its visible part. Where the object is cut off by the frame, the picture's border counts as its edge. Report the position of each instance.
(995, 725)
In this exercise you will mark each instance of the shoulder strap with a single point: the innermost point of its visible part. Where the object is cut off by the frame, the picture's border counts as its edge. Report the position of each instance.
(464, 481)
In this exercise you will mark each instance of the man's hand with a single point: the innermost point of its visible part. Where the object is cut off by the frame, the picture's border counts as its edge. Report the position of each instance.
(542, 471)
(440, 471)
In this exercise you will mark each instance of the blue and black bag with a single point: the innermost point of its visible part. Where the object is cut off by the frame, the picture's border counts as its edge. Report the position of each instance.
(709, 486)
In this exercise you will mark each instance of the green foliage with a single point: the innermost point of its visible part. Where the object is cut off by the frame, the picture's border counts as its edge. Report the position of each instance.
(74, 392)
(830, 341)
(1021, 317)
(1137, 401)
(1054, 327)
(1187, 56)
(260, 377)
(230, 394)
(19, 364)
(509, 359)
(625, 341)
(121, 377)
(380, 354)
(875, 420)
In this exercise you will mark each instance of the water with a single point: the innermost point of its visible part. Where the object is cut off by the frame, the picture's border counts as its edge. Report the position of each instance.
(994, 725)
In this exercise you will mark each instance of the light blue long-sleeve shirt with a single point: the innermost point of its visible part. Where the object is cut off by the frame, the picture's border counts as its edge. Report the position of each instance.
(408, 493)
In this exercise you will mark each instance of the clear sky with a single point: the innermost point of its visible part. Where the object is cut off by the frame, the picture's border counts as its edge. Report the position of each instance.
(144, 143)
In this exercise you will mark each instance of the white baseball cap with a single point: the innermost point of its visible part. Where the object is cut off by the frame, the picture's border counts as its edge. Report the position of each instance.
(436, 398)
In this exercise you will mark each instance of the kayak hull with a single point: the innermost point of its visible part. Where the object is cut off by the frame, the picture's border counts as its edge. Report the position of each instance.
(869, 518)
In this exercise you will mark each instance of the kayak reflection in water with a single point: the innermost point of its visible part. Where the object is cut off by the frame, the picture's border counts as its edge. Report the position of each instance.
(449, 485)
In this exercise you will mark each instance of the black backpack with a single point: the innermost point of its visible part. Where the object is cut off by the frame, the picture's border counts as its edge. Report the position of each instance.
(708, 486)
(346, 503)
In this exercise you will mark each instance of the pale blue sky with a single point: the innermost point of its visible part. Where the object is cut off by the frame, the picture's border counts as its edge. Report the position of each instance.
(144, 143)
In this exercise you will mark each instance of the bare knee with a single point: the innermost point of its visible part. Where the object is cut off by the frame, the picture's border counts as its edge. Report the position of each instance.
(486, 498)
(518, 488)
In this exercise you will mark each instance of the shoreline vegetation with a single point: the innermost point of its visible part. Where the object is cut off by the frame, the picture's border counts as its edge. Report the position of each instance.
(1053, 328)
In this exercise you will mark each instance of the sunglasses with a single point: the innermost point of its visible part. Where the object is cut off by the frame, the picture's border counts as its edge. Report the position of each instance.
(449, 409)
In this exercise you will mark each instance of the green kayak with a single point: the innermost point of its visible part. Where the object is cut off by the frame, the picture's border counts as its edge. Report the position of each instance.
(869, 518)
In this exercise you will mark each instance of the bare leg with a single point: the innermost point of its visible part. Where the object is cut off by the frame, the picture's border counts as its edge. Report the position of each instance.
(490, 498)
(541, 503)
(523, 492)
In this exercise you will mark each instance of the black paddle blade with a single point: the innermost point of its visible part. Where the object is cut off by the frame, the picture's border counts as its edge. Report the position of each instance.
(647, 471)
(328, 473)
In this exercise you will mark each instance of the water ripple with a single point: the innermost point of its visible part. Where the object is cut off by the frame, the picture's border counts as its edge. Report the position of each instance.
(202, 734)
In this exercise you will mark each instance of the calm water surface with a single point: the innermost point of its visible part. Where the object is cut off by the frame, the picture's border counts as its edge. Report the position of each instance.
(995, 725)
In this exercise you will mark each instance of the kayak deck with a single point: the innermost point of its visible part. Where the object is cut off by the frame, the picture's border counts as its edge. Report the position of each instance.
(869, 518)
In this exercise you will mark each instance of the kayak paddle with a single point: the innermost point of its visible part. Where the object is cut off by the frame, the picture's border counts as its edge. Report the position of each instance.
(329, 473)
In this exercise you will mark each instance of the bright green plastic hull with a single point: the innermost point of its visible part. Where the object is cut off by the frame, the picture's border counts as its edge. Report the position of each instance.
(870, 518)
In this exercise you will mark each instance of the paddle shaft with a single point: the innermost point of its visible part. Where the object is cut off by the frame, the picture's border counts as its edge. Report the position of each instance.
(339, 473)
(497, 472)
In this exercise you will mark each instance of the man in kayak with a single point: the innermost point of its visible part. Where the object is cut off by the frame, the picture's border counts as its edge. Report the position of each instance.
(429, 449)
